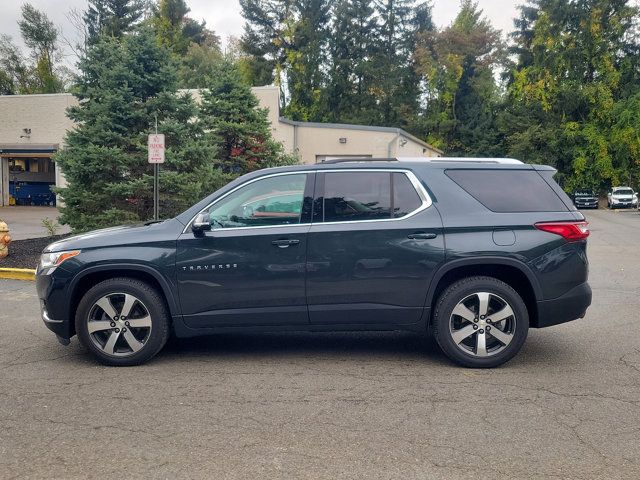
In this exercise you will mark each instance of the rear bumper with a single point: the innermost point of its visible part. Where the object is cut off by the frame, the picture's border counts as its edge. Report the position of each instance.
(570, 306)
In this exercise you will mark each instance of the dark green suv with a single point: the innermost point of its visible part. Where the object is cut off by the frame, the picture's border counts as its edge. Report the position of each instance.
(475, 250)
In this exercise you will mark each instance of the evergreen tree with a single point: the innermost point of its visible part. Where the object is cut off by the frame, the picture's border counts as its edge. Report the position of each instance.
(264, 41)
(237, 126)
(285, 42)
(112, 17)
(352, 44)
(305, 54)
(122, 85)
(168, 21)
(395, 92)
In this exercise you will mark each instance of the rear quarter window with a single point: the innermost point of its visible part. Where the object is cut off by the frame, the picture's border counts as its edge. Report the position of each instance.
(509, 191)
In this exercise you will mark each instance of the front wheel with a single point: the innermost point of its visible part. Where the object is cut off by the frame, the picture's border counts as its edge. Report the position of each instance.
(122, 321)
(480, 322)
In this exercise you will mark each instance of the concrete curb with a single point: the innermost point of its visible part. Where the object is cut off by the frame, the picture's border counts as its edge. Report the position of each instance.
(18, 273)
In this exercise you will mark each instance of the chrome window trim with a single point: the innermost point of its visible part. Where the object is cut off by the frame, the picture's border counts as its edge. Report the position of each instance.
(417, 185)
(419, 188)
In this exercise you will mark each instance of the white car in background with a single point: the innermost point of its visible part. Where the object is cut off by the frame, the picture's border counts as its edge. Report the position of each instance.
(622, 197)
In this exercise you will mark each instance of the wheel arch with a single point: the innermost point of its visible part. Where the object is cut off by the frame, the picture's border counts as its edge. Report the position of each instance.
(513, 272)
(91, 276)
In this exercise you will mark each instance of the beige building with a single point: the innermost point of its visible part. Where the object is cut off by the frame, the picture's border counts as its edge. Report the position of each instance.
(32, 129)
(316, 142)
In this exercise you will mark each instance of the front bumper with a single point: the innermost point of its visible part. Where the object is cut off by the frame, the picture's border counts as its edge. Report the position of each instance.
(570, 306)
(53, 298)
(623, 205)
(586, 204)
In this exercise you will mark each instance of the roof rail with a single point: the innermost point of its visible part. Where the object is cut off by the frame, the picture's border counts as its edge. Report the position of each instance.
(363, 159)
(507, 161)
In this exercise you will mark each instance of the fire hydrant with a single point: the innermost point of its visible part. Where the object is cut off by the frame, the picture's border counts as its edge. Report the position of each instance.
(5, 239)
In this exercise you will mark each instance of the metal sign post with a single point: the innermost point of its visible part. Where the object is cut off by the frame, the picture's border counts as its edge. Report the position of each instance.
(156, 202)
(156, 157)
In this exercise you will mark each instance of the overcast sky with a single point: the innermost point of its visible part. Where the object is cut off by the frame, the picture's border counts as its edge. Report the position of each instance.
(224, 17)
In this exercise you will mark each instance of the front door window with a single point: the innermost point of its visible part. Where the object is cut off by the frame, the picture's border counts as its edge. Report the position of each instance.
(269, 201)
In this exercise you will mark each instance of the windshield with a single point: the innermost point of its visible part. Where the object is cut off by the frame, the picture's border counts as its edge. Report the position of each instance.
(584, 193)
(623, 191)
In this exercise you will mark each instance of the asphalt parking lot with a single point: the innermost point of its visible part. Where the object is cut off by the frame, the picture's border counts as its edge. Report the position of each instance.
(335, 405)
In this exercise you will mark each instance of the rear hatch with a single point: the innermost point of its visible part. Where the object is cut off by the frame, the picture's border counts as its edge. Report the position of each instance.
(544, 228)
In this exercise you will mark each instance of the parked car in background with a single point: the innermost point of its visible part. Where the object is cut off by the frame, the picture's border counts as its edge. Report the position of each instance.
(622, 197)
(478, 251)
(585, 198)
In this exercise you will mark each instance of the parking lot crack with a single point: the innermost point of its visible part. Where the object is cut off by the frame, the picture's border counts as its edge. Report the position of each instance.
(627, 363)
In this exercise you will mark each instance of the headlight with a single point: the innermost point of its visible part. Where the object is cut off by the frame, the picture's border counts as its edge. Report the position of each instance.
(53, 259)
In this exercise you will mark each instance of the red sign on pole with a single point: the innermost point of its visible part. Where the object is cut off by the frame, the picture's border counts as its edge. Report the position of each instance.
(156, 148)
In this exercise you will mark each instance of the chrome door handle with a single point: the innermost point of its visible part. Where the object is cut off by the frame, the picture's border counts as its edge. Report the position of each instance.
(285, 243)
(421, 236)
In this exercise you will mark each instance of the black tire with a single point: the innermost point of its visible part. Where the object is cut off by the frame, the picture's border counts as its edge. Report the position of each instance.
(150, 300)
(466, 288)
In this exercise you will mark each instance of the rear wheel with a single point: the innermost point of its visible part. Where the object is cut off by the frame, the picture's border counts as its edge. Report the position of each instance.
(122, 321)
(480, 322)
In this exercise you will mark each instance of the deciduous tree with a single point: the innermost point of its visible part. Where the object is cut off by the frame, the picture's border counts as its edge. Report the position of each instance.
(573, 88)
(459, 64)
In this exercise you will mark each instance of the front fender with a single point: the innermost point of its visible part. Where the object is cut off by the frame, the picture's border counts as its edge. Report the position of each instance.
(167, 289)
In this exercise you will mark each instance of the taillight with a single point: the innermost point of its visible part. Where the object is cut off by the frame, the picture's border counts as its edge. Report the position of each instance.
(570, 231)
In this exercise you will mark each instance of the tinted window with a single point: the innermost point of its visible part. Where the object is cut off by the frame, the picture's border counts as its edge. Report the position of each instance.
(406, 199)
(355, 196)
(507, 191)
(270, 201)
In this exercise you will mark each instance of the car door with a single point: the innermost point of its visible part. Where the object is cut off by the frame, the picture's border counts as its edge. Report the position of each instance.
(373, 247)
(250, 268)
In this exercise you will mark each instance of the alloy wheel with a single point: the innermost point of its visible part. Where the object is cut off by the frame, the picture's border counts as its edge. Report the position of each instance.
(482, 324)
(119, 324)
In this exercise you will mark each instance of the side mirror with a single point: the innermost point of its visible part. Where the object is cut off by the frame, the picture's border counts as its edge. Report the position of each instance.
(202, 223)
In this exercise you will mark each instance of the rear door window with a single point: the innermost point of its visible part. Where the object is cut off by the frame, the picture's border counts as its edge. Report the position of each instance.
(357, 196)
(509, 191)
